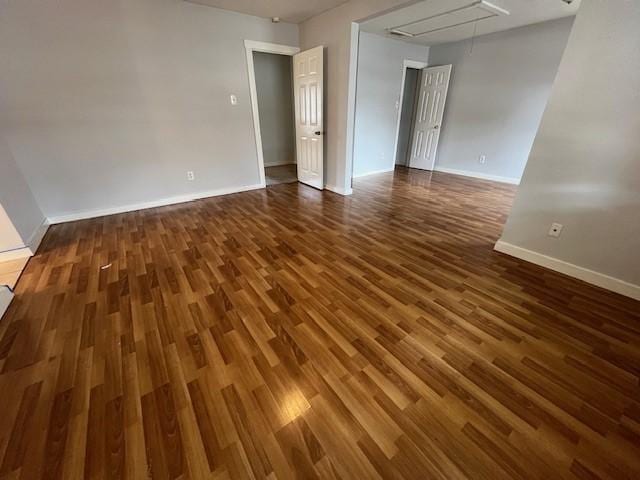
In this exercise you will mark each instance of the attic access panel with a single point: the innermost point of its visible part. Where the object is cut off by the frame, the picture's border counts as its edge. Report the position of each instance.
(474, 12)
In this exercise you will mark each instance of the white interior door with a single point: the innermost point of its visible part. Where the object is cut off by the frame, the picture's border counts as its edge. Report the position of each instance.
(308, 96)
(432, 95)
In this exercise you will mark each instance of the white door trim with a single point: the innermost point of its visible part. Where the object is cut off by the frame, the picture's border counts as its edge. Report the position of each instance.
(415, 64)
(350, 133)
(405, 64)
(265, 47)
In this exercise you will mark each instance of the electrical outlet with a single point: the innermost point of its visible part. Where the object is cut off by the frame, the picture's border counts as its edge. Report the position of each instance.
(482, 159)
(234, 99)
(555, 230)
(191, 176)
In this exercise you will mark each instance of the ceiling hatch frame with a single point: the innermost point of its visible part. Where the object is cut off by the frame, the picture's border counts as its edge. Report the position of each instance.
(490, 9)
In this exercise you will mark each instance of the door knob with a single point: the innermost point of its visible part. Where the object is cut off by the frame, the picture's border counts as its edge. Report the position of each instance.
(318, 132)
(436, 127)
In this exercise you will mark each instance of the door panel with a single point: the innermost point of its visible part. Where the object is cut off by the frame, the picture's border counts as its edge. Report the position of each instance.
(434, 84)
(308, 97)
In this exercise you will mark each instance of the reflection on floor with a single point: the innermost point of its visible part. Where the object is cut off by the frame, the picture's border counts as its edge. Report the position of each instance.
(281, 174)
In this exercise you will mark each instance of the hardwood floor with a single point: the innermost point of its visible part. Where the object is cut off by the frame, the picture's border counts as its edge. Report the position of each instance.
(281, 174)
(290, 333)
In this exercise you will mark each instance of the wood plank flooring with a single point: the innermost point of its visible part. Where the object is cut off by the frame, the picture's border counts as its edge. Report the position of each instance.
(291, 333)
(281, 174)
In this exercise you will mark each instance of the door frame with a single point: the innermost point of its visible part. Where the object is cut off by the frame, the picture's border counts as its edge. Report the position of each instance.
(264, 47)
(405, 64)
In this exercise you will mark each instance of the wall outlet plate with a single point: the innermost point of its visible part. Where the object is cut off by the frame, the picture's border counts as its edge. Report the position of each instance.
(191, 176)
(482, 159)
(233, 99)
(555, 230)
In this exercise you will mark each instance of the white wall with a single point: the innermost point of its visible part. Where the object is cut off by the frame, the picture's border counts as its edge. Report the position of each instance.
(110, 103)
(20, 216)
(497, 95)
(334, 30)
(275, 104)
(584, 168)
(379, 87)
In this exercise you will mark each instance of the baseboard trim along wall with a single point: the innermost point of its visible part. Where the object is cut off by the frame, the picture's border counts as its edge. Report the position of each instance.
(594, 278)
(483, 176)
(16, 254)
(37, 236)
(162, 202)
(30, 248)
(366, 174)
(278, 164)
(12, 262)
(339, 190)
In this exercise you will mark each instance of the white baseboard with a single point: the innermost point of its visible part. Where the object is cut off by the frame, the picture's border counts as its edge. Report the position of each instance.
(15, 254)
(5, 299)
(374, 172)
(36, 238)
(483, 176)
(339, 190)
(278, 164)
(82, 215)
(31, 245)
(12, 262)
(594, 278)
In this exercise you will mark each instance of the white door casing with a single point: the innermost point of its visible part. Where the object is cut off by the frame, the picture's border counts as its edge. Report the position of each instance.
(308, 89)
(431, 98)
(250, 47)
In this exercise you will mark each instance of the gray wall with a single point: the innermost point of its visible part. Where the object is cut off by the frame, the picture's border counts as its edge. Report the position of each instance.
(275, 104)
(497, 95)
(110, 103)
(406, 115)
(380, 65)
(23, 216)
(584, 168)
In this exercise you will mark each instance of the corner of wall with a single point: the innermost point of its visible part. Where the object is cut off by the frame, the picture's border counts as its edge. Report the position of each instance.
(36, 238)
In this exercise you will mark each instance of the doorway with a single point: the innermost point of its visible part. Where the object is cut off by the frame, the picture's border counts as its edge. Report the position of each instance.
(422, 103)
(277, 61)
(274, 91)
(406, 106)
(406, 115)
(287, 98)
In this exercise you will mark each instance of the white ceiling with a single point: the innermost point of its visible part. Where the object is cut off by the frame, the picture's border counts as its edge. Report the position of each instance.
(521, 12)
(292, 11)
